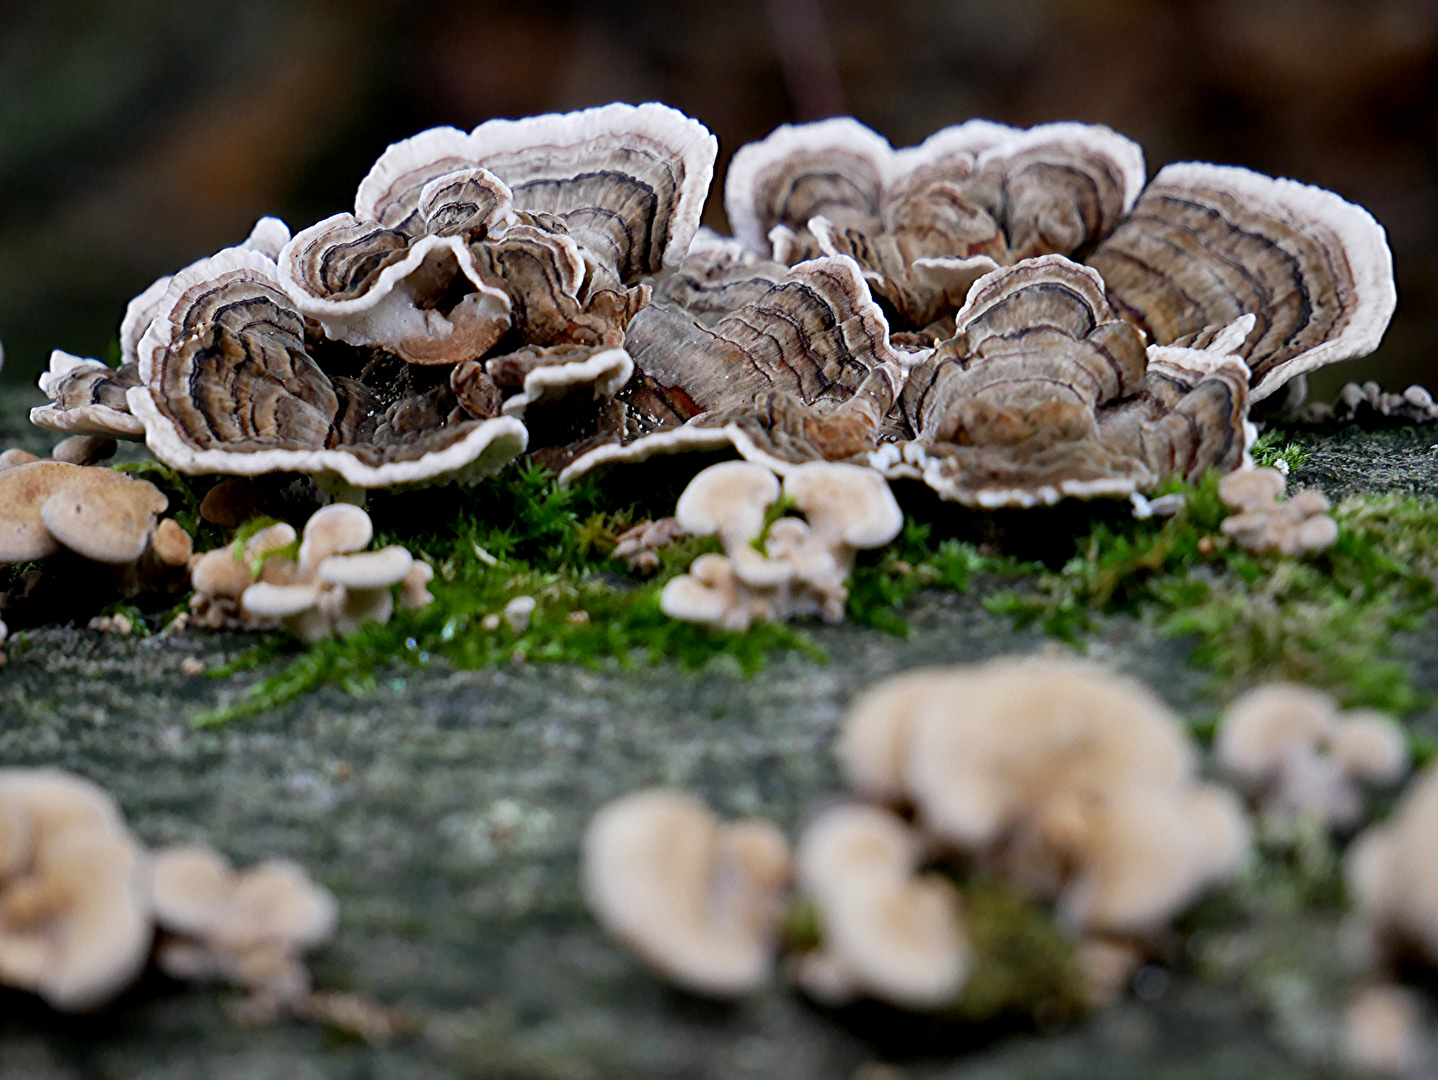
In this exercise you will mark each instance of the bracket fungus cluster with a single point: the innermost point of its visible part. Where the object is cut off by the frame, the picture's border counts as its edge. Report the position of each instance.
(795, 566)
(1011, 316)
(1300, 754)
(333, 586)
(80, 900)
(1264, 522)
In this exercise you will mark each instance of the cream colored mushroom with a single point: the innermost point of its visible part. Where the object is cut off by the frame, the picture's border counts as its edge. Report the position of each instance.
(74, 907)
(1070, 782)
(1392, 873)
(712, 593)
(848, 506)
(1297, 753)
(1251, 489)
(249, 928)
(337, 529)
(698, 900)
(729, 499)
(363, 582)
(25, 489)
(1289, 526)
(15, 457)
(84, 449)
(171, 544)
(414, 592)
(109, 522)
(886, 932)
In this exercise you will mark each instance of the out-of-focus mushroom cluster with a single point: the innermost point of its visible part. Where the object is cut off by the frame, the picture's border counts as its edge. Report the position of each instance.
(1062, 781)
(81, 900)
(791, 567)
(1013, 317)
(1265, 522)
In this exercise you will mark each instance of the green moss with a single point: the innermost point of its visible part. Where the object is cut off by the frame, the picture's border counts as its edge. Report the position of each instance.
(1271, 448)
(518, 535)
(1023, 963)
(1327, 620)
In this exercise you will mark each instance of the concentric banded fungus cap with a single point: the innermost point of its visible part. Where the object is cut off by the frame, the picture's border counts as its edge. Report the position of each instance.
(74, 909)
(894, 935)
(698, 900)
(228, 385)
(1392, 871)
(88, 397)
(729, 499)
(772, 375)
(24, 492)
(107, 522)
(1206, 244)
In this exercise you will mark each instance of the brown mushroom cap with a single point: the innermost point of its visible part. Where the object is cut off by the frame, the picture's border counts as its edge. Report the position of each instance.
(171, 543)
(24, 489)
(729, 499)
(84, 449)
(220, 573)
(106, 522)
(699, 901)
(15, 457)
(845, 504)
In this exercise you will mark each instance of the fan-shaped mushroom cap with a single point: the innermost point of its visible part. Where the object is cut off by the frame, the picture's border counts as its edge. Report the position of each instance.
(1292, 745)
(1044, 394)
(107, 522)
(729, 499)
(873, 747)
(1392, 870)
(171, 543)
(846, 505)
(1267, 724)
(74, 910)
(711, 593)
(337, 529)
(87, 398)
(987, 752)
(698, 900)
(228, 385)
(1251, 489)
(790, 358)
(894, 935)
(367, 570)
(247, 927)
(1142, 855)
(25, 490)
(1206, 244)
(280, 601)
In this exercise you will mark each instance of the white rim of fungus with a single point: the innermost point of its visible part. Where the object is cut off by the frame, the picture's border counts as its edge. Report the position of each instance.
(1361, 240)
(1119, 149)
(607, 371)
(404, 157)
(98, 420)
(483, 451)
(678, 440)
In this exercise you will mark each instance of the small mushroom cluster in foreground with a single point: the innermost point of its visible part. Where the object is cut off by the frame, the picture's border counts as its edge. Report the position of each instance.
(81, 902)
(794, 566)
(1055, 778)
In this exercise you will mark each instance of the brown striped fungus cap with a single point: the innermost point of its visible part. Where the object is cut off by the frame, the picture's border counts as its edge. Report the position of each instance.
(88, 397)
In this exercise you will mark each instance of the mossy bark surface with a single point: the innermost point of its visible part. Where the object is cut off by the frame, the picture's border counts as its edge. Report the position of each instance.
(445, 811)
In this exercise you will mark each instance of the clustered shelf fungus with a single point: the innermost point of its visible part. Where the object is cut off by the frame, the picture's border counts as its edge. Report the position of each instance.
(1011, 316)
(80, 902)
(1060, 780)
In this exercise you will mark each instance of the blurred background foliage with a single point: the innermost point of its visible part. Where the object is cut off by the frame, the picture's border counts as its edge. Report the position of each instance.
(138, 135)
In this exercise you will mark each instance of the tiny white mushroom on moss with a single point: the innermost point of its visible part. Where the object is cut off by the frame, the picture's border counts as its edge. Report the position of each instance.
(698, 900)
(1298, 753)
(729, 499)
(517, 613)
(885, 931)
(414, 586)
(1251, 489)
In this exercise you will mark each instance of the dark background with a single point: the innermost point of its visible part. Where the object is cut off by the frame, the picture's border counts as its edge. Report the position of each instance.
(138, 135)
